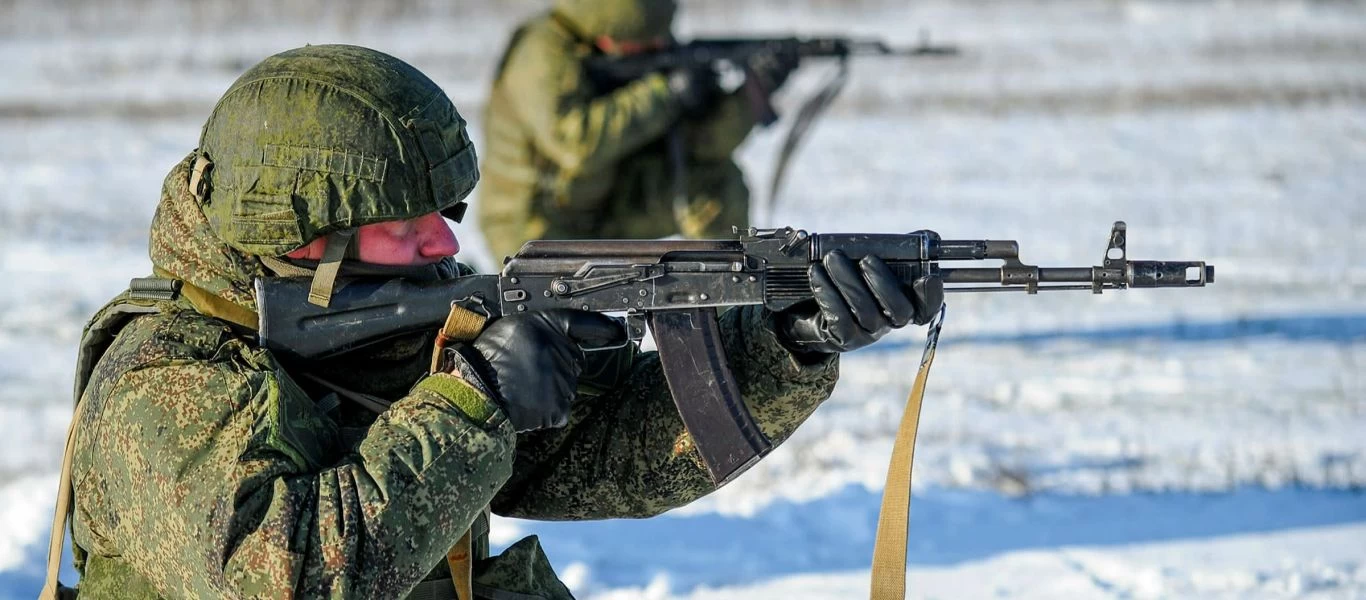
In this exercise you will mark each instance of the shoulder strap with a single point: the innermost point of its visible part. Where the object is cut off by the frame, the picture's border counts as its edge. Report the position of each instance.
(144, 296)
(208, 304)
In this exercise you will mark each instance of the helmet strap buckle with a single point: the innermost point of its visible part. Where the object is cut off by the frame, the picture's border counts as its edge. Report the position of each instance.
(198, 183)
(325, 276)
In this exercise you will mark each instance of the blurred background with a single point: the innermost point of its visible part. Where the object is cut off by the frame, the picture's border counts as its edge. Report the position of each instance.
(1150, 443)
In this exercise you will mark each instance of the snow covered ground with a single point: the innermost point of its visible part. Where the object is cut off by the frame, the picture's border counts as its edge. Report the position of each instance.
(1150, 443)
(1305, 563)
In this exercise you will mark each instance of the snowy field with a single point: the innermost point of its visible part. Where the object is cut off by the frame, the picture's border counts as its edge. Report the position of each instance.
(1204, 443)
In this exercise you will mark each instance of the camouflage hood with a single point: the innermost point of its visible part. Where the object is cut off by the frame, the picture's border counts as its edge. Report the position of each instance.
(621, 20)
(183, 245)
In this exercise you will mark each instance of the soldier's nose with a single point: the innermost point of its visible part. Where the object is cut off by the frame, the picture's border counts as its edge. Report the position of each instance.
(436, 239)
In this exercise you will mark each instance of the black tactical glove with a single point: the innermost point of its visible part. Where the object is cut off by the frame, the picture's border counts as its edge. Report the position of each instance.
(855, 305)
(530, 363)
(696, 88)
(772, 68)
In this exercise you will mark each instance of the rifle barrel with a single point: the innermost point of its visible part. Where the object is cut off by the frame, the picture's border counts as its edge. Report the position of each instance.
(1136, 274)
(924, 51)
(995, 275)
(1016, 288)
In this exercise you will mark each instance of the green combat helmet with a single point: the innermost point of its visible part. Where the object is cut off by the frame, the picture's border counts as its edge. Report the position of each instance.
(621, 20)
(320, 140)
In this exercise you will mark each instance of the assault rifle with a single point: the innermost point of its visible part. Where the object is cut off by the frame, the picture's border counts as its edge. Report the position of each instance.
(676, 286)
(747, 54)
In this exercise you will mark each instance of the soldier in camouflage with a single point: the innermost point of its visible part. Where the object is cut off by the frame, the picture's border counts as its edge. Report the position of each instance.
(204, 466)
(567, 157)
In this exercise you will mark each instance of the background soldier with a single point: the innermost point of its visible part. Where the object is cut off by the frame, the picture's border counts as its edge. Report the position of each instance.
(568, 157)
(205, 466)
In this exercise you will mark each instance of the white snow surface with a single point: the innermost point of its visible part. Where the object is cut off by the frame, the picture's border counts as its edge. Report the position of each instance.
(1311, 563)
(1147, 443)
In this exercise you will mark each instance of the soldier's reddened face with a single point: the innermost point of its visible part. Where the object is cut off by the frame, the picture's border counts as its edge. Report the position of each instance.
(421, 241)
(628, 47)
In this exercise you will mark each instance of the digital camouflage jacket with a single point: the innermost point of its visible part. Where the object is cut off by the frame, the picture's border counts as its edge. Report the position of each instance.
(205, 467)
(566, 159)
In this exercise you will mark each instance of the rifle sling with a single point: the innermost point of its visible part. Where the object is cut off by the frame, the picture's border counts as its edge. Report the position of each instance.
(806, 115)
(210, 304)
(889, 549)
(678, 175)
(58, 536)
(462, 325)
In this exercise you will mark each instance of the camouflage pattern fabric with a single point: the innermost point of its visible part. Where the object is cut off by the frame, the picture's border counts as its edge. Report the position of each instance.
(204, 467)
(567, 160)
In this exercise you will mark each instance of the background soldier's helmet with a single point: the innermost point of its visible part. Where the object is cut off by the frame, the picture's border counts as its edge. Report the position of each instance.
(621, 20)
(324, 139)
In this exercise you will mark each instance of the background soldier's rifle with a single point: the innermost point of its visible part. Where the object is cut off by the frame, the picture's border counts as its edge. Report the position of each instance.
(675, 286)
(748, 54)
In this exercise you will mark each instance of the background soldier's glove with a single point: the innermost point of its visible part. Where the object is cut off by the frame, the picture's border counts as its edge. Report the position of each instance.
(530, 363)
(855, 305)
(697, 89)
(772, 68)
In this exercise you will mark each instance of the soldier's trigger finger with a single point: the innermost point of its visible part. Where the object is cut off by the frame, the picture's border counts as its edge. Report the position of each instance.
(588, 329)
(831, 308)
(836, 326)
(854, 289)
(886, 286)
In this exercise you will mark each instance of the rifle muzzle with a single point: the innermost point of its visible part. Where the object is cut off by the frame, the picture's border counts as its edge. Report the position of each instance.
(1160, 273)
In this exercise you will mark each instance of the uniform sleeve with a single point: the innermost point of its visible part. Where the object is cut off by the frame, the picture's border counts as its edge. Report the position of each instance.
(220, 479)
(551, 95)
(626, 454)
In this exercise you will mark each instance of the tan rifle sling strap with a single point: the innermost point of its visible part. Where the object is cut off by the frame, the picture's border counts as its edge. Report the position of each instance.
(889, 549)
(461, 326)
(51, 588)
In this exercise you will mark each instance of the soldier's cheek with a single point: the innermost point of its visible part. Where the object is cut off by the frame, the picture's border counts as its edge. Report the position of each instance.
(380, 248)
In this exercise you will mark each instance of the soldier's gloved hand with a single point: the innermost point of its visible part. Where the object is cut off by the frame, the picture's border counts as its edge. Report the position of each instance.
(772, 68)
(697, 89)
(856, 304)
(530, 363)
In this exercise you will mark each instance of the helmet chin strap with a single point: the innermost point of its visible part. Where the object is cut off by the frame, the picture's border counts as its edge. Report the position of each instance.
(326, 271)
(325, 276)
